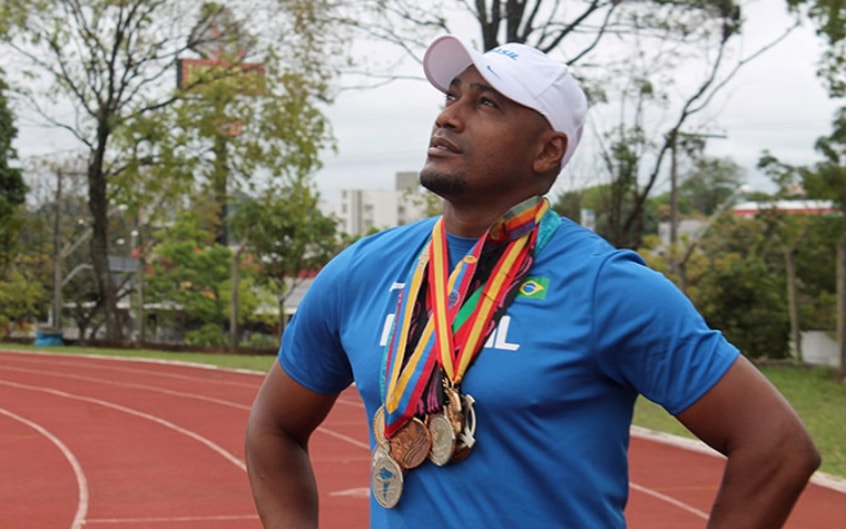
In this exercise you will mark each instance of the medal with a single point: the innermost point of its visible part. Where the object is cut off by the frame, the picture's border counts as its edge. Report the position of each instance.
(452, 408)
(378, 453)
(386, 480)
(379, 427)
(443, 439)
(410, 446)
(466, 439)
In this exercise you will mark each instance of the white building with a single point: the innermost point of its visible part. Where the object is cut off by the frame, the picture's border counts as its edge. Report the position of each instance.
(362, 210)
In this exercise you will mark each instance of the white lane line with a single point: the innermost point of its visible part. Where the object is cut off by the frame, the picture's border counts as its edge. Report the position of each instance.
(669, 499)
(81, 482)
(175, 519)
(181, 394)
(144, 387)
(158, 420)
(72, 362)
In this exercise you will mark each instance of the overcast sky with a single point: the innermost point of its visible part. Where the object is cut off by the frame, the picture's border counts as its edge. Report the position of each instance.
(775, 103)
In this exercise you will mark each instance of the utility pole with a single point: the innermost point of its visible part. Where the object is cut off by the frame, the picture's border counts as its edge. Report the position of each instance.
(674, 202)
(674, 192)
(56, 319)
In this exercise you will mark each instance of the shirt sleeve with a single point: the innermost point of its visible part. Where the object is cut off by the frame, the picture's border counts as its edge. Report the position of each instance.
(650, 336)
(311, 351)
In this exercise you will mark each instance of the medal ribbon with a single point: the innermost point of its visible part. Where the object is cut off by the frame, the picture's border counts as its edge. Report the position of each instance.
(408, 375)
(457, 345)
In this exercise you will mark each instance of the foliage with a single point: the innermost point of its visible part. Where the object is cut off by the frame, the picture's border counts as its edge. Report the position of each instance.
(828, 178)
(12, 187)
(825, 180)
(830, 19)
(709, 184)
(740, 297)
(599, 200)
(21, 295)
(114, 62)
(208, 334)
(287, 235)
(194, 274)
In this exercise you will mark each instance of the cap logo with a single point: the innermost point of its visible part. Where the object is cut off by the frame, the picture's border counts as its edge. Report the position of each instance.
(508, 53)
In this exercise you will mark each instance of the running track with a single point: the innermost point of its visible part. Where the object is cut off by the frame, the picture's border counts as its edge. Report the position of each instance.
(101, 443)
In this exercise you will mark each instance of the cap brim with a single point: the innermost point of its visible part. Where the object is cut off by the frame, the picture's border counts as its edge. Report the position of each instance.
(445, 59)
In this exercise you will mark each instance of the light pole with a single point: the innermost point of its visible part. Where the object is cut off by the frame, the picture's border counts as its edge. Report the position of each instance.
(61, 253)
(727, 203)
(674, 191)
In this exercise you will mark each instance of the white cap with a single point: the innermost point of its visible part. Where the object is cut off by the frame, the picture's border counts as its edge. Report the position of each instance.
(521, 73)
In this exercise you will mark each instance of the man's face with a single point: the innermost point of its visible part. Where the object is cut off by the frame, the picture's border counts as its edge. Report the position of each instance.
(482, 145)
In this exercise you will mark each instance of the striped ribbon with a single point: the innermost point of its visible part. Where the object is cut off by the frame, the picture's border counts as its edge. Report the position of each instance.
(445, 339)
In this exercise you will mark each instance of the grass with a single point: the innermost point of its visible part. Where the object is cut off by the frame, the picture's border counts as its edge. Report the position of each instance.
(816, 394)
(252, 362)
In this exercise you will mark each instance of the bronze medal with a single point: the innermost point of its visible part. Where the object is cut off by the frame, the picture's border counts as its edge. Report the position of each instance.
(410, 446)
(379, 427)
(443, 439)
(386, 480)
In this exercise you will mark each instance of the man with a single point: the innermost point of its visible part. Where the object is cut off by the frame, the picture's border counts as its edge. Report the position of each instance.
(499, 349)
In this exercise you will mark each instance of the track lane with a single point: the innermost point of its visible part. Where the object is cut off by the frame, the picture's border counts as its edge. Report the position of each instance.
(214, 403)
(42, 475)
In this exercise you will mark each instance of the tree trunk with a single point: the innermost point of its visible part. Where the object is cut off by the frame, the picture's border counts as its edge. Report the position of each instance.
(792, 300)
(234, 279)
(98, 205)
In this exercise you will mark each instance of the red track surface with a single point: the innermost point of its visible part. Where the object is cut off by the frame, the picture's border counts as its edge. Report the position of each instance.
(118, 444)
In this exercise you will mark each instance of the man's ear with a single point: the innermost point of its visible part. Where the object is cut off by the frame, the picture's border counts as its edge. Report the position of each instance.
(552, 150)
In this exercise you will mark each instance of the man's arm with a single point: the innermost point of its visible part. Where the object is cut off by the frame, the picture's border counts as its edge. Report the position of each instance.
(770, 454)
(281, 420)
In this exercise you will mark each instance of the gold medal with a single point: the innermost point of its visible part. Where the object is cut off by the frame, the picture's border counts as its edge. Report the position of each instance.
(379, 427)
(452, 408)
(467, 437)
(411, 445)
(443, 439)
(386, 479)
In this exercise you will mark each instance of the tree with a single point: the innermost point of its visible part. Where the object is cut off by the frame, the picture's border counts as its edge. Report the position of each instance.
(830, 19)
(709, 184)
(114, 63)
(17, 293)
(627, 54)
(191, 275)
(736, 280)
(288, 237)
(12, 188)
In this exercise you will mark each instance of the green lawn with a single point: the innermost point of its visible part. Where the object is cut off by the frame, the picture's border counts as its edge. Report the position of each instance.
(815, 393)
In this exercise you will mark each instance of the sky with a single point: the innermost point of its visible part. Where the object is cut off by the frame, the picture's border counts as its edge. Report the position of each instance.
(775, 103)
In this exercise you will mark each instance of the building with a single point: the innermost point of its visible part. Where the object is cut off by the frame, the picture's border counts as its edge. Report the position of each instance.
(801, 206)
(360, 211)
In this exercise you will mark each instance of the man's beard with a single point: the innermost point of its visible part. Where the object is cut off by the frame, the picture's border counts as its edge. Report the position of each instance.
(443, 184)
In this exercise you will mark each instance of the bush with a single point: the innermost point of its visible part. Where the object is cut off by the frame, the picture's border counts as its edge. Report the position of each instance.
(208, 334)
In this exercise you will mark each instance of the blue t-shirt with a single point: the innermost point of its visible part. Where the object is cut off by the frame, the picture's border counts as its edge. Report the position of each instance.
(554, 385)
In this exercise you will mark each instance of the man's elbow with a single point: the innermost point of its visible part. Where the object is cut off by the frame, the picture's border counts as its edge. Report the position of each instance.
(798, 456)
